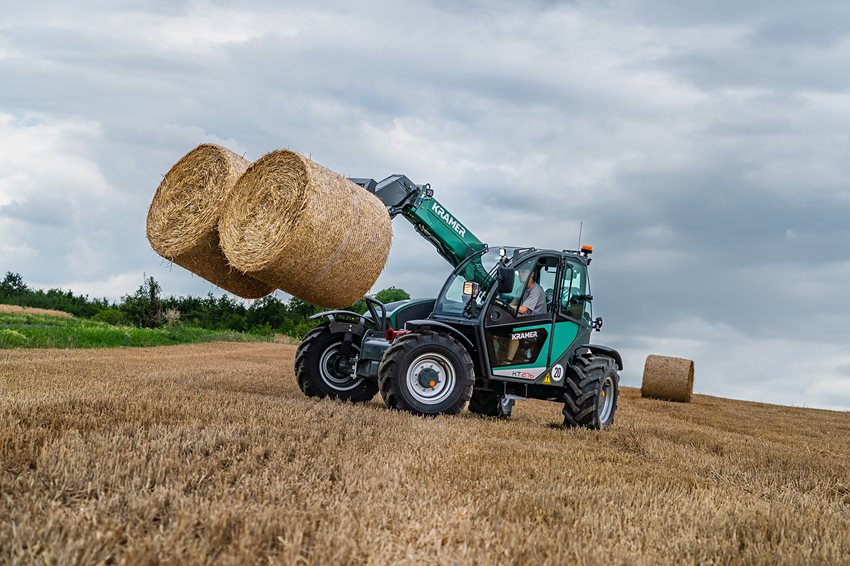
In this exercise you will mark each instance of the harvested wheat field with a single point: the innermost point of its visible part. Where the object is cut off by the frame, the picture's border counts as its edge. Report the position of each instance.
(15, 309)
(210, 454)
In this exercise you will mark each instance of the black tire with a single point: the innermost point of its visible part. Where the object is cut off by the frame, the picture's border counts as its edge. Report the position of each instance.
(591, 392)
(321, 373)
(417, 356)
(490, 404)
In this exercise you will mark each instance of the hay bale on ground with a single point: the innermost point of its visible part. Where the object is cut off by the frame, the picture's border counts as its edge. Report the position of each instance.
(183, 217)
(670, 379)
(306, 230)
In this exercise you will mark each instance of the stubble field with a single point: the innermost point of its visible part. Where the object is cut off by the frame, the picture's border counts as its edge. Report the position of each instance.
(210, 454)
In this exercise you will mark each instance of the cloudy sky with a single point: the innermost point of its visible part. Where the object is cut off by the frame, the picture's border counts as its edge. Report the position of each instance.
(704, 146)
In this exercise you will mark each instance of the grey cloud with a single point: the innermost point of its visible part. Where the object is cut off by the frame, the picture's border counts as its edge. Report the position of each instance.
(44, 212)
(718, 13)
(804, 26)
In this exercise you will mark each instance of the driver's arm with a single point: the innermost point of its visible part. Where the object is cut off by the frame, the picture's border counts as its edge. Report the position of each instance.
(531, 298)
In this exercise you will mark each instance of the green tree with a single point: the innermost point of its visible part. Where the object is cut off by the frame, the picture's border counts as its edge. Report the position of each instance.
(144, 307)
(301, 310)
(14, 291)
(391, 295)
(269, 311)
(12, 286)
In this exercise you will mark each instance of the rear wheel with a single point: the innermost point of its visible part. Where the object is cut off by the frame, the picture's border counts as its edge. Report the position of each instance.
(325, 367)
(426, 373)
(490, 404)
(591, 392)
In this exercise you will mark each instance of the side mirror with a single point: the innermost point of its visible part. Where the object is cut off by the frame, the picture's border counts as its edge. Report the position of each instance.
(506, 277)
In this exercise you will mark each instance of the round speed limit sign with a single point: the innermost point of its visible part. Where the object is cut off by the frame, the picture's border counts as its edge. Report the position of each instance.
(557, 372)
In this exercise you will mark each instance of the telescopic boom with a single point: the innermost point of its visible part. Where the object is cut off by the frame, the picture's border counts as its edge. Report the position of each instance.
(416, 203)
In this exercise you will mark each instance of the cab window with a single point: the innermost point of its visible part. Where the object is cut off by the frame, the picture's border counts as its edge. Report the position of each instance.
(511, 301)
(574, 283)
(547, 278)
(544, 270)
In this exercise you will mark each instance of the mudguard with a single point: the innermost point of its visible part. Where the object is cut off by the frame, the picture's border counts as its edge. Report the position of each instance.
(331, 315)
(443, 327)
(345, 324)
(605, 351)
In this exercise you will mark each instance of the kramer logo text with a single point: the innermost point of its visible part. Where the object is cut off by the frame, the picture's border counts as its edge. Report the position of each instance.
(524, 335)
(448, 219)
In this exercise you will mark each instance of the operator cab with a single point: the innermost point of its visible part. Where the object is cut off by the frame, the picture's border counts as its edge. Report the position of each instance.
(515, 344)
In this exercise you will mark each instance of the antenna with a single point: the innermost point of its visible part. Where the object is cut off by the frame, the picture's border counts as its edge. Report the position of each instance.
(580, 226)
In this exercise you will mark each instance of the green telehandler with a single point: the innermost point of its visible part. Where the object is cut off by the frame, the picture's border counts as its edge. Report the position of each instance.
(510, 323)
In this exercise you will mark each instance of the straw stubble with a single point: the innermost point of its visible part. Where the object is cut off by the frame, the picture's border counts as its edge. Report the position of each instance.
(103, 460)
(182, 224)
(306, 230)
(667, 378)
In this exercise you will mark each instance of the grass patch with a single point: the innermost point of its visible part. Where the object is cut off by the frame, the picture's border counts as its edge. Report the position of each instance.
(40, 331)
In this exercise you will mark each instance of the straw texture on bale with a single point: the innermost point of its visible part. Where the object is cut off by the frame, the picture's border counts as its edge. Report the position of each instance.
(670, 379)
(306, 230)
(183, 218)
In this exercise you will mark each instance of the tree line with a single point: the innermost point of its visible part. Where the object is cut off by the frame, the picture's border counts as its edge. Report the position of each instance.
(148, 308)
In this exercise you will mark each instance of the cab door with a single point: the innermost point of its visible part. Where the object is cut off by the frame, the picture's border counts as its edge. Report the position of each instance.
(571, 327)
(518, 344)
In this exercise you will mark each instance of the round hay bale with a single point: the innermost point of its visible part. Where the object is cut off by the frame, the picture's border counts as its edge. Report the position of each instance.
(183, 217)
(306, 230)
(670, 379)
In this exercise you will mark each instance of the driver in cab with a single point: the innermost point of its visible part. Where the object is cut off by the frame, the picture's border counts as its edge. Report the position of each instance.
(535, 299)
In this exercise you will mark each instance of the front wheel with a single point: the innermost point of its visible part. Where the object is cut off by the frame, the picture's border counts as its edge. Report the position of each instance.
(591, 392)
(325, 367)
(426, 373)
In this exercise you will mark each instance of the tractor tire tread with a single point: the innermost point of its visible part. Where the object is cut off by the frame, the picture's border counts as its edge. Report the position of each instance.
(391, 365)
(582, 388)
(484, 403)
(307, 382)
(300, 364)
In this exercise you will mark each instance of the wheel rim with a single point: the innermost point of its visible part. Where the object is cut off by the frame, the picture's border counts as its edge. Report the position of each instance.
(606, 407)
(329, 368)
(428, 369)
(506, 406)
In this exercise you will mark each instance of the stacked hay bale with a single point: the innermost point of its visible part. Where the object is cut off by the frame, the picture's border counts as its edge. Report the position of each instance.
(182, 224)
(284, 222)
(297, 226)
(667, 378)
